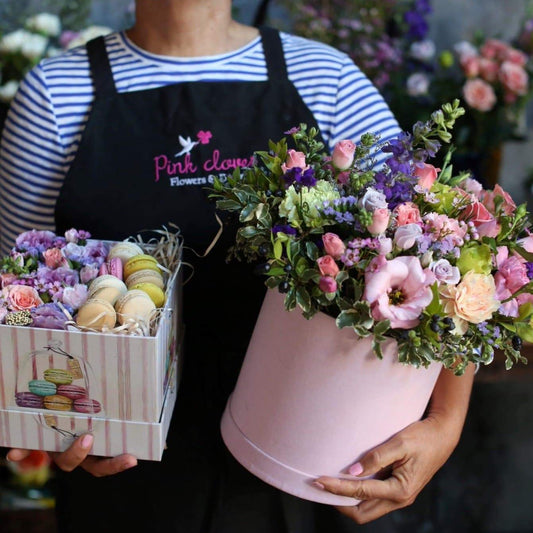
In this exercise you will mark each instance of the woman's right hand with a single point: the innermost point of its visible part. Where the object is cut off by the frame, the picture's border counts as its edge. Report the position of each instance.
(78, 455)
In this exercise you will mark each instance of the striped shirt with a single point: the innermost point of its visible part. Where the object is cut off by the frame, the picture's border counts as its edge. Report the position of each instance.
(47, 117)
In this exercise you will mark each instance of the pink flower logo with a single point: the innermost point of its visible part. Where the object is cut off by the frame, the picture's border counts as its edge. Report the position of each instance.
(204, 136)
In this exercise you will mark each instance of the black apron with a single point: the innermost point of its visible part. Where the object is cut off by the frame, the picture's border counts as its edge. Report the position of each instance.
(145, 160)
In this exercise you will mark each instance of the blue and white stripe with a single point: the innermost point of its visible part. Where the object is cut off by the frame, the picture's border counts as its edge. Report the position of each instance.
(48, 115)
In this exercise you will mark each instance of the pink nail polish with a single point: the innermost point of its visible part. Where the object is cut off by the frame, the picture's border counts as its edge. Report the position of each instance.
(318, 485)
(87, 441)
(355, 469)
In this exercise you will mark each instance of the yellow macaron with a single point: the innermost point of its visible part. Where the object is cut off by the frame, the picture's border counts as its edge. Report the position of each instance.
(156, 293)
(140, 262)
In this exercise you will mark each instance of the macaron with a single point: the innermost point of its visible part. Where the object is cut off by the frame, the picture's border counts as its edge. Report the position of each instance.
(42, 387)
(146, 276)
(29, 399)
(107, 287)
(57, 402)
(72, 391)
(124, 250)
(96, 314)
(115, 267)
(134, 305)
(156, 294)
(87, 406)
(140, 262)
(58, 376)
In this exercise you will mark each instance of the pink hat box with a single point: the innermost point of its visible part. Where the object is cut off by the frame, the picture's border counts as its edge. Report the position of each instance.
(311, 399)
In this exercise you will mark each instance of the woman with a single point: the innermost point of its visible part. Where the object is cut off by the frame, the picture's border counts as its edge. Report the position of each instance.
(161, 106)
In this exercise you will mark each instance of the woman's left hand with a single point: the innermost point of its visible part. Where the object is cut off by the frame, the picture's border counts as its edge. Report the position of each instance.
(414, 455)
(405, 463)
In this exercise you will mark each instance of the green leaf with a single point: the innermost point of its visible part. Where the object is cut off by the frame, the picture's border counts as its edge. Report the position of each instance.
(247, 232)
(347, 318)
(312, 250)
(303, 298)
(524, 331)
(380, 328)
(278, 248)
(301, 266)
(228, 205)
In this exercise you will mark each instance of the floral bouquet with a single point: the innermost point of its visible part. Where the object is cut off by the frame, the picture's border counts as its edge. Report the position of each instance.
(45, 278)
(407, 252)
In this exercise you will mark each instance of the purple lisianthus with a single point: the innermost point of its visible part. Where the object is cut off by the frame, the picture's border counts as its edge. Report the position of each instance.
(88, 273)
(74, 297)
(288, 230)
(35, 241)
(94, 253)
(48, 316)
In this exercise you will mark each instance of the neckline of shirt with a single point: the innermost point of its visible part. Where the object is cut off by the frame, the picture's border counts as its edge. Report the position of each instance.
(175, 61)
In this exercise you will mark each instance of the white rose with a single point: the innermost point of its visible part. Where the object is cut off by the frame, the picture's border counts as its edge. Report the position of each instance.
(372, 200)
(87, 34)
(406, 236)
(12, 42)
(423, 50)
(45, 23)
(465, 49)
(8, 91)
(417, 84)
(34, 46)
(445, 272)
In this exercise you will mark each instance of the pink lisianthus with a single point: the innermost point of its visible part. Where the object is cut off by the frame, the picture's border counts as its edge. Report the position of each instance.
(333, 245)
(479, 95)
(21, 297)
(327, 266)
(407, 213)
(294, 160)
(398, 290)
(427, 175)
(343, 155)
(75, 296)
(380, 221)
(406, 236)
(488, 199)
(54, 258)
(327, 284)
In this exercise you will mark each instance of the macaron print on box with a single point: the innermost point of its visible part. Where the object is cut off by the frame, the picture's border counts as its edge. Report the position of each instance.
(90, 338)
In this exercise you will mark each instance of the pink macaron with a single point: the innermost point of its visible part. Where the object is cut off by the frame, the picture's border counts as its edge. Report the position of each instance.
(114, 266)
(87, 406)
(72, 391)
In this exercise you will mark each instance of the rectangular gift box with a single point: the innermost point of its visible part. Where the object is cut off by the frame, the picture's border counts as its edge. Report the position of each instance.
(131, 380)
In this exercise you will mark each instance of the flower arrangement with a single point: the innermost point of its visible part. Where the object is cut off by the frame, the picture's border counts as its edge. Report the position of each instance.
(45, 278)
(41, 37)
(407, 252)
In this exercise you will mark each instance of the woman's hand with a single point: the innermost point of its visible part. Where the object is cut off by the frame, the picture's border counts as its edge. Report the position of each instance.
(77, 455)
(405, 463)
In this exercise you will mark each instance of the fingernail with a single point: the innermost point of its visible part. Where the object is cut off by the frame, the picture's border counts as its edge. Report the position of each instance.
(87, 441)
(318, 485)
(355, 469)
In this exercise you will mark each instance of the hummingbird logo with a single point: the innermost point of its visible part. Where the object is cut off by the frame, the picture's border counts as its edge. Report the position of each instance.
(186, 146)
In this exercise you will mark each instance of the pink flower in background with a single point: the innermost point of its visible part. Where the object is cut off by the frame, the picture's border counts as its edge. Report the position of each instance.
(441, 226)
(488, 69)
(479, 95)
(294, 159)
(508, 206)
(333, 245)
(343, 154)
(513, 77)
(470, 65)
(54, 258)
(427, 175)
(399, 290)
(517, 57)
(21, 297)
(7, 279)
(407, 213)
(327, 266)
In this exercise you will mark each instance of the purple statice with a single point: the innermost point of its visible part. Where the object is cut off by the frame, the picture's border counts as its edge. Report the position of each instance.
(295, 175)
(340, 209)
(529, 269)
(482, 326)
(281, 228)
(35, 241)
(49, 316)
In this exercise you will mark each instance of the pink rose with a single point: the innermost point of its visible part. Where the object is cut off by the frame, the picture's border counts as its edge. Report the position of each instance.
(407, 213)
(406, 236)
(294, 159)
(427, 175)
(327, 284)
(484, 221)
(343, 155)
(514, 77)
(398, 290)
(380, 221)
(333, 245)
(54, 258)
(479, 95)
(517, 57)
(470, 65)
(494, 49)
(488, 69)
(508, 206)
(327, 266)
(21, 297)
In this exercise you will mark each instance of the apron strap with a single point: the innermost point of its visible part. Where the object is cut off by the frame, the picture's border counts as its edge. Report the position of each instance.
(275, 60)
(103, 82)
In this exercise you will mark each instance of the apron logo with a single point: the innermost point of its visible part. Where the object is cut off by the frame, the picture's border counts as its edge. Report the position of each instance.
(183, 172)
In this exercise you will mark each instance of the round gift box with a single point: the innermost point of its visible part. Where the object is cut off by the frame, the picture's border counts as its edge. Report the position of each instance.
(311, 399)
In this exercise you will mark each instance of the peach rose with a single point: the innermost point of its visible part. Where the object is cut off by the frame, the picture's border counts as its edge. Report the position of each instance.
(294, 159)
(479, 95)
(343, 155)
(380, 221)
(54, 258)
(21, 297)
(407, 213)
(333, 245)
(327, 266)
(473, 299)
(514, 77)
(427, 175)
